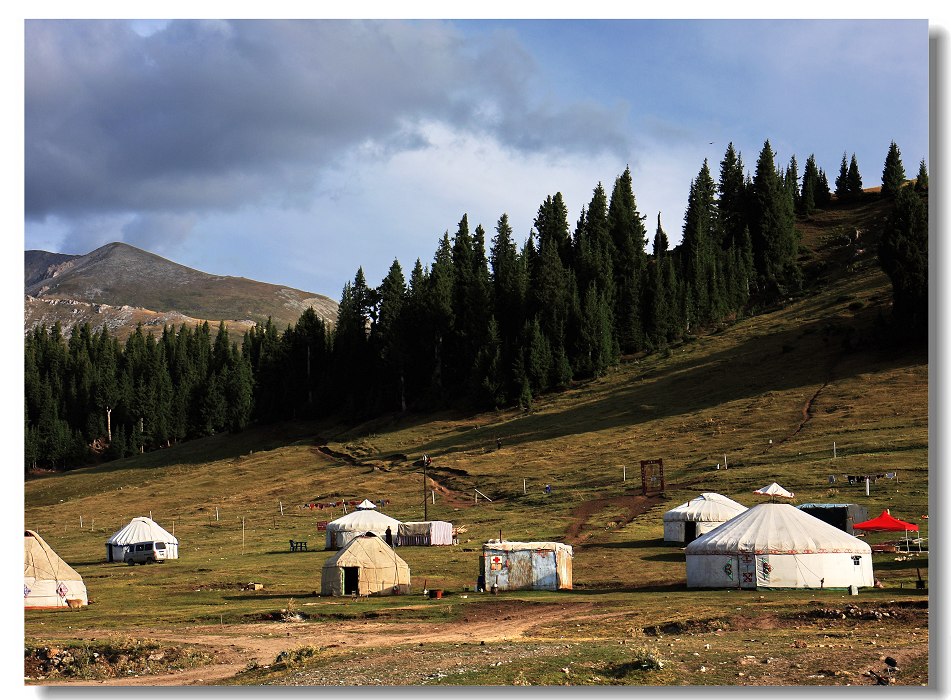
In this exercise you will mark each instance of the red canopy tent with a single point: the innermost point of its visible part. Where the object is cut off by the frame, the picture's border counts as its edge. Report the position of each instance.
(887, 523)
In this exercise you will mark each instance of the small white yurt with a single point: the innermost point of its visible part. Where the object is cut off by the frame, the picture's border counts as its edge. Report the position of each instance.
(365, 566)
(359, 522)
(776, 545)
(688, 521)
(48, 581)
(139, 531)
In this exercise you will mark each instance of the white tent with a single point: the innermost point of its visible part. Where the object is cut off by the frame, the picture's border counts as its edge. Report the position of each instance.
(425, 533)
(48, 581)
(138, 531)
(359, 522)
(698, 516)
(775, 545)
(774, 489)
(365, 566)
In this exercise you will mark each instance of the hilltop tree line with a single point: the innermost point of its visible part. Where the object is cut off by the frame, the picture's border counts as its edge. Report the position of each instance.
(488, 323)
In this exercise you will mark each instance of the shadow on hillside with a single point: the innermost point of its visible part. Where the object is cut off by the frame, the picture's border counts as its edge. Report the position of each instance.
(630, 544)
(672, 557)
(259, 438)
(806, 356)
(651, 588)
(253, 595)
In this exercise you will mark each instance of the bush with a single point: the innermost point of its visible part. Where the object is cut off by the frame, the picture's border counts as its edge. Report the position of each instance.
(646, 659)
(293, 657)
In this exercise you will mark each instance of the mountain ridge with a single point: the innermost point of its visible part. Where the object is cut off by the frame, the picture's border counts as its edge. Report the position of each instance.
(119, 275)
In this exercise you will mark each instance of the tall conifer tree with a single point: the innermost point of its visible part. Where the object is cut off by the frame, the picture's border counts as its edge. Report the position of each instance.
(893, 174)
(628, 235)
(854, 179)
(773, 234)
(921, 180)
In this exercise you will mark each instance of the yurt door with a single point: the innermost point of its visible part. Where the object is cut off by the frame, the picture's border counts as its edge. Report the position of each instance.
(351, 580)
(747, 570)
(690, 531)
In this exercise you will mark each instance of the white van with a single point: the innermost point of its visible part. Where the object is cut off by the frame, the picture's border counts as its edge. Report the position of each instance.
(145, 553)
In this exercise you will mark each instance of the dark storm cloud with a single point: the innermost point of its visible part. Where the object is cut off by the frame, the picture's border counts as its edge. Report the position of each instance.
(213, 115)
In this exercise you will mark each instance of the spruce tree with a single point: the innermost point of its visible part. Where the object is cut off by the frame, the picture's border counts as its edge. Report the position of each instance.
(550, 293)
(732, 201)
(810, 187)
(893, 174)
(773, 234)
(921, 180)
(656, 309)
(700, 244)
(791, 182)
(628, 236)
(538, 357)
(823, 193)
(389, 338)
(441, 309)
(420, 336)
(238, 392)
(903, 255)
(842, 181)
(854, 179)
(353, 363)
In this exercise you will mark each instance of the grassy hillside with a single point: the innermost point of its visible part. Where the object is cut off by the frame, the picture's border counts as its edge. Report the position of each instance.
(766, 396)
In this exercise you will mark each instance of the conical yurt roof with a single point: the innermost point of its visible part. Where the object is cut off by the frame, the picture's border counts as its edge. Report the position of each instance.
(776, 528)
(707, 507)
(367, 551)
(142, 529)
(364, 519)
(42, 563)
(775, 489)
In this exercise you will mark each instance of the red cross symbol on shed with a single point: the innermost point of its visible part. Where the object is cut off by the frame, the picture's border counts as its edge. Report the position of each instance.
(496, 560)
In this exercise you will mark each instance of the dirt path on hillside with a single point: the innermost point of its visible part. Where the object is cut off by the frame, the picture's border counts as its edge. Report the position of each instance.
(807, 414)
(451, 497)
(635, 505)
(237, 646)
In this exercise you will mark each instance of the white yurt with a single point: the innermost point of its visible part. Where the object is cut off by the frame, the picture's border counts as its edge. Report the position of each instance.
(688, 521)
(776, 545)
(365, 566)
(48, 581)
(138, 531)
(366, 518)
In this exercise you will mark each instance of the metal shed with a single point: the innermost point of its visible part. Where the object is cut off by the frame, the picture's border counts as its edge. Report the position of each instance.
(540, 566)
(840, 515)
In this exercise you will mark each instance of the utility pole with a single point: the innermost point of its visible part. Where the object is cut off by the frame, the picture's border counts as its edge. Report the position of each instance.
(425, 499)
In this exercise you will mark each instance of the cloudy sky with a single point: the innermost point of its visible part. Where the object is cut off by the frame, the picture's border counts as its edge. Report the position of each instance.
(295, 151)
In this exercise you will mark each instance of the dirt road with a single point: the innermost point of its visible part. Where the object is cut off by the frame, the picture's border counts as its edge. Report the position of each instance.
(238, 646)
